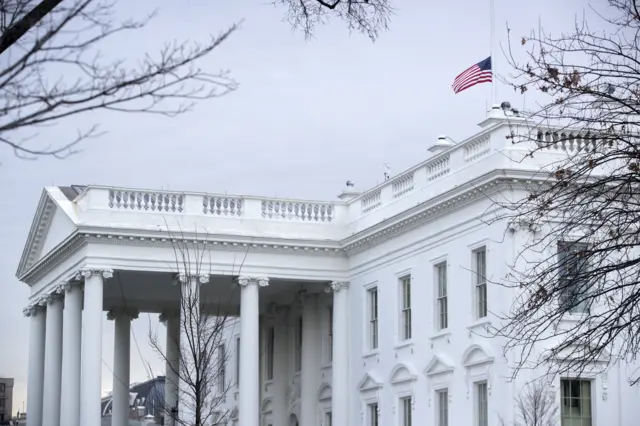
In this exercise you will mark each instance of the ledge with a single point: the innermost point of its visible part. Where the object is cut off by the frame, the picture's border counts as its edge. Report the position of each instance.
(482, 323)
(446, 333)
(404, 344)
(371, 354)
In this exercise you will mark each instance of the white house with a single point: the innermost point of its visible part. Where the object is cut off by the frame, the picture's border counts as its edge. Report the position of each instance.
(366, 310)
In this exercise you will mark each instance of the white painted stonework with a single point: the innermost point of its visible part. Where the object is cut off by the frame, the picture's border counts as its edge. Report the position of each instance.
(274, 261)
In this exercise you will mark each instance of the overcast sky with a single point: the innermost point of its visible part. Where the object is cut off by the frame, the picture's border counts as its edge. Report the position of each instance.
(308, 116)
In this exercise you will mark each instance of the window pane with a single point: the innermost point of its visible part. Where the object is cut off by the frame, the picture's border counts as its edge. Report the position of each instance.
(238, 362)
(373, 318)
(576, 402)
(443, 407)
(481, 400)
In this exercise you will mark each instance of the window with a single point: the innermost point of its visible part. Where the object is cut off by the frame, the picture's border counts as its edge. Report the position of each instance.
(237, 362)
(406, 411)
(1, 402)
(330, 339)
(575, 407)
(405, 319)
(327, 418)
(222, 361)
(298, 354)
(572, 274)
(2, 387)
(482, 409)
(442, 398)
(270, 343)
(373, 414)
(441, 278)
(480, 272)
(373, 318)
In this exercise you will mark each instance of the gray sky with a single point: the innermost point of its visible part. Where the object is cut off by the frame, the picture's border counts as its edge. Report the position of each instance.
(308, 116)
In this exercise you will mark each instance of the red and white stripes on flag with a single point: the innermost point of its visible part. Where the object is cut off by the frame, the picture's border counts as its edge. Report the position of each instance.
(475, 74)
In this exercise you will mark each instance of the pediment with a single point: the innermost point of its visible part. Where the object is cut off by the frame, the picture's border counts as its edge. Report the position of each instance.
(402, 373)
(51, 226)
(369, 382)
(439, 364)
(325, 392)
(266, 406)
(578, 351)
(476, 354)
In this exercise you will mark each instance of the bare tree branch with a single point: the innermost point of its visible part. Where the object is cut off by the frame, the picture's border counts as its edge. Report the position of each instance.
(535, 406)
(577, 278)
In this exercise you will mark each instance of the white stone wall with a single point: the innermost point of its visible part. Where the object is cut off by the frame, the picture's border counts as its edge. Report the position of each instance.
(430, 360)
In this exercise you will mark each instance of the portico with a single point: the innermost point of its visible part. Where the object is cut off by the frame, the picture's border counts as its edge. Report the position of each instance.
(148, 268)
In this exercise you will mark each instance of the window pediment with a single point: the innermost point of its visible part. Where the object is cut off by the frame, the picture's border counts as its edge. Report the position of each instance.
(476, 354)
(577, 351)
(266, 406)
(402, 373)
(439, 364)
(369, 382)
(325, 392)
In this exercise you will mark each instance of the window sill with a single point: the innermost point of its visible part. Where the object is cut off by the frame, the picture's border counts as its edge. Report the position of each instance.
(479, 325)
(371, 353)
(326, 366)
(404, 344)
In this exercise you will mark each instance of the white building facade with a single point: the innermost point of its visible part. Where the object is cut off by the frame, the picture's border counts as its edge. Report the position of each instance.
(369, 310)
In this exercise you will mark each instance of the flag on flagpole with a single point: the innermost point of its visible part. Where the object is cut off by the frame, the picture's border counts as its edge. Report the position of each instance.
(475, 74)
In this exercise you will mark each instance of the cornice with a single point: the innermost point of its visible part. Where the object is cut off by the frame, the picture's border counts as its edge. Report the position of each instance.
(433, 209)
(382, 231)
(63, 251)
(39, 228)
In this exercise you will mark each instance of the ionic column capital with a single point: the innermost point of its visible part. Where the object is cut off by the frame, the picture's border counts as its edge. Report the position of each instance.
(52, 297)
(336, 286)
(164, 316)
(85, 273)
(126, 312)
(184, 278)
(32, 310)
(246, 280)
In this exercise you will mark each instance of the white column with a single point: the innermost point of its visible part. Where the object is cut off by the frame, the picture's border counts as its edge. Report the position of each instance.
(91, 362)
(37, 328)
(172, 356)
(310, 361)
(280, 371)
(340, 360)
(250, 353)
(121, 367)
(52, 362)
(71, 346)
(190, 326)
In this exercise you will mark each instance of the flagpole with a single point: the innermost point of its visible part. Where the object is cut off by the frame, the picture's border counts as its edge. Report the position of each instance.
(493, 51)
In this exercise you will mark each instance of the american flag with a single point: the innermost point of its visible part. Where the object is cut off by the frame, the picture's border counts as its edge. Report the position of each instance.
(475, 74)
